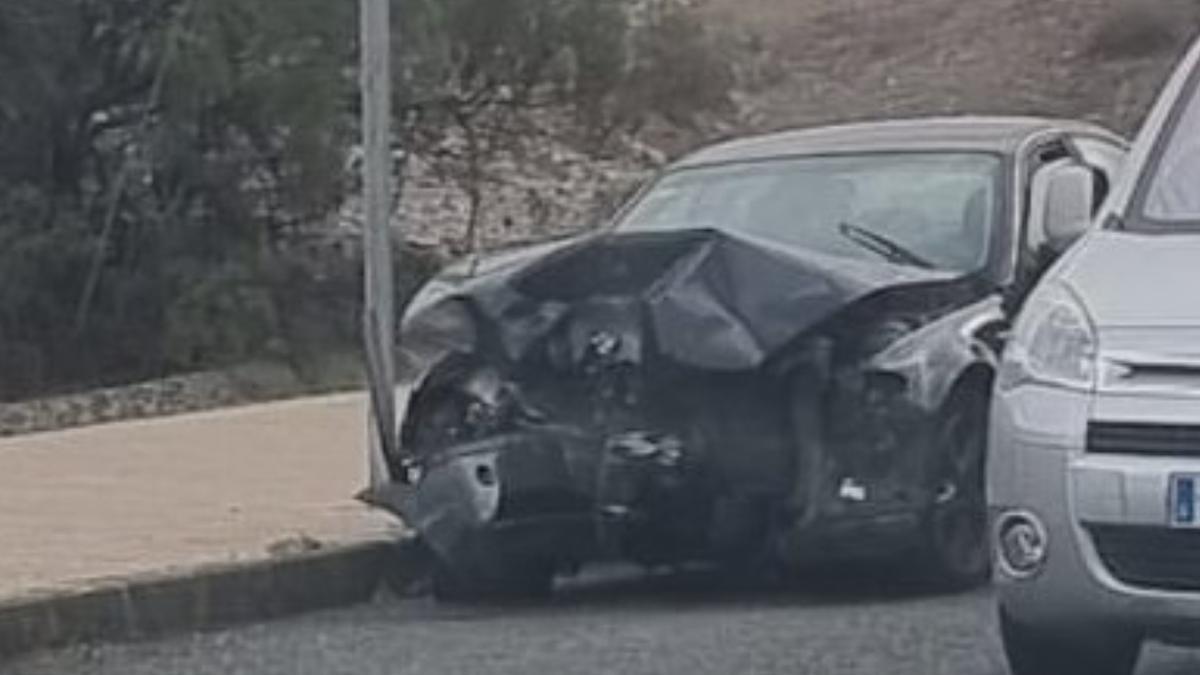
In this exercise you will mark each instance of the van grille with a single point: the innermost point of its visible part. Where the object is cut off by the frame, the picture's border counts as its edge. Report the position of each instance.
(1156, 440)
(1150, 557)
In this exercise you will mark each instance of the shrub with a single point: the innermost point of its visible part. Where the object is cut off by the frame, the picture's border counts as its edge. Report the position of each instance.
(159, 157)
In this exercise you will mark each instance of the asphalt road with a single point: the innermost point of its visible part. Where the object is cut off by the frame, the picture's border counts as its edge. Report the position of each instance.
(685, 625)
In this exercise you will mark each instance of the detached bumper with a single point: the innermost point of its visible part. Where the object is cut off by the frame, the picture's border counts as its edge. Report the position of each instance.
(518, 496)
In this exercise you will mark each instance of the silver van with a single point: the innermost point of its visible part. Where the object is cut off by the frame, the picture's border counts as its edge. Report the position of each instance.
(1094, 474)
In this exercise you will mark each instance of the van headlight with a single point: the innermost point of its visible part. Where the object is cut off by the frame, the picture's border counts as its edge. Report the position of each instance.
(1054, 343)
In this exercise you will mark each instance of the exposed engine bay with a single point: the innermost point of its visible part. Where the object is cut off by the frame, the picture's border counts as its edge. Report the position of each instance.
(666, 398)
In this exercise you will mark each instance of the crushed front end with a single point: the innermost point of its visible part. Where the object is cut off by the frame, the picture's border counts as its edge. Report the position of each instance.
(593, 446)
(653, 399)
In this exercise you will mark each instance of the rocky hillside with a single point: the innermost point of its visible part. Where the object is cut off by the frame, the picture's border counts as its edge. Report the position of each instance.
(818, 61)
(806, 62)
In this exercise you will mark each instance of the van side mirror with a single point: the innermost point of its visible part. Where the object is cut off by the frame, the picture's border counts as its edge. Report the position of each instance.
(1070, 191)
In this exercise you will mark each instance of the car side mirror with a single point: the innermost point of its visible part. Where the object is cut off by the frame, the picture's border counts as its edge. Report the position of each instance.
(1068, 206)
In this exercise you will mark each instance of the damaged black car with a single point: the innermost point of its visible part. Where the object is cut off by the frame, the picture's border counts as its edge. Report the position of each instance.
(780, 352)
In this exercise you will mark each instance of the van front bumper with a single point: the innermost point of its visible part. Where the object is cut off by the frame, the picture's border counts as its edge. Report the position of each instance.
(1106, 516)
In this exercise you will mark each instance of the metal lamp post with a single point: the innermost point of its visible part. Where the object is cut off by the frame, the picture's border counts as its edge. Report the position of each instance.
(379, 319)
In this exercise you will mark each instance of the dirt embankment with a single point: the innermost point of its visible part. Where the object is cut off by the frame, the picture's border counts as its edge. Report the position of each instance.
(807, 62)
(817, 61)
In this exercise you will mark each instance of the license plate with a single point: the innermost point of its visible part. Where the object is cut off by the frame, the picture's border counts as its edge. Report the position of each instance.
(1183, 500)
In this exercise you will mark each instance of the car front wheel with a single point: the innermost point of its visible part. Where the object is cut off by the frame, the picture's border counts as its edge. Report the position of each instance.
(956, 539)
(1032, 653)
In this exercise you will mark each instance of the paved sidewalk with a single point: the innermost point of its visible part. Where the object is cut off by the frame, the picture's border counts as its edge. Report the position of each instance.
(164, 494)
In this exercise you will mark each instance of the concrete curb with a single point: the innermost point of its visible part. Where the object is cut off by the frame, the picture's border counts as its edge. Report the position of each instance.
(208, 597)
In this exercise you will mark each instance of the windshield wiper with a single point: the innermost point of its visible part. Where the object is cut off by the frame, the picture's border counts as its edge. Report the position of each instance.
(889, 249)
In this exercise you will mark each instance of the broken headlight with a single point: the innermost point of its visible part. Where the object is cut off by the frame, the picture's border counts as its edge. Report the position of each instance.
(485, 398)
(471, 405)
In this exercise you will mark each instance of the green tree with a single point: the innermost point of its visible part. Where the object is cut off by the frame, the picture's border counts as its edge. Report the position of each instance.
(159, 159)
(147, 149)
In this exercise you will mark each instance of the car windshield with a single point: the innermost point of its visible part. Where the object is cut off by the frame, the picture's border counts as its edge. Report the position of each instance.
(1173, 195)
(932, 210)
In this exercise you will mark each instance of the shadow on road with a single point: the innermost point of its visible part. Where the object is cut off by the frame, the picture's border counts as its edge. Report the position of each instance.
(827, 585)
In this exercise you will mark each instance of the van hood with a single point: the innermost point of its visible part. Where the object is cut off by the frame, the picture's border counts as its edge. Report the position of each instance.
(1132, 280)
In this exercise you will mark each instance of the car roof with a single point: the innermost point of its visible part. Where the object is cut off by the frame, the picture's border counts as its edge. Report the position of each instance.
(1002, 135)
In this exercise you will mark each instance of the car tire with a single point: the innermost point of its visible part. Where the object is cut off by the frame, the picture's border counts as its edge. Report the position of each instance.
(956, 552)
(514, 583)
(1032, 653)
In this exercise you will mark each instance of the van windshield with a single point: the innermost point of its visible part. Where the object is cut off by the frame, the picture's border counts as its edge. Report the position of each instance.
(1173, 195)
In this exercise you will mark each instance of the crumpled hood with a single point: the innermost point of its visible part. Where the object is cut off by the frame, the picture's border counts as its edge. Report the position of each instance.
(1137, 280)
(710, 299)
